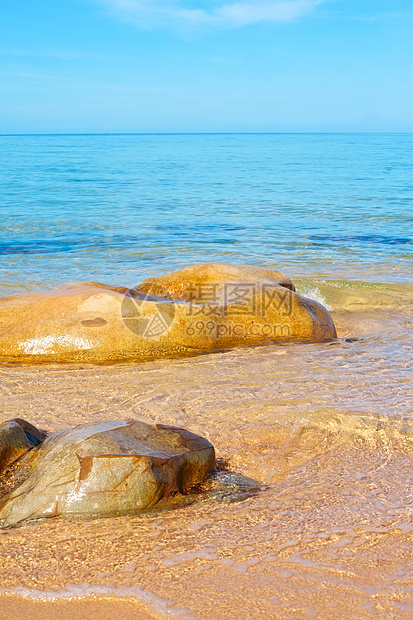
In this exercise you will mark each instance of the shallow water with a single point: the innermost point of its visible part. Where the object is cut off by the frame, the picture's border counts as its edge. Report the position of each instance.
(118, 208)
(325, 429)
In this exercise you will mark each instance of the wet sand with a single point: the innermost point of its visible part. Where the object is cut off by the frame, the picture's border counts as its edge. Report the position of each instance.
(93, 609)
(325, 429)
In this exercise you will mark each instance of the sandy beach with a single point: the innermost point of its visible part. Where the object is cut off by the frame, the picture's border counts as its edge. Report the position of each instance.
(324, 430)
(95, 609)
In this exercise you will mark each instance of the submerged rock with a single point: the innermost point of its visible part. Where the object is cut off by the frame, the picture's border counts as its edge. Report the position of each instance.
(207, 307)
(107, 469)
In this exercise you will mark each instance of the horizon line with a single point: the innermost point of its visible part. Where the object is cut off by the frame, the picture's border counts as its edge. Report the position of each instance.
(201, 133)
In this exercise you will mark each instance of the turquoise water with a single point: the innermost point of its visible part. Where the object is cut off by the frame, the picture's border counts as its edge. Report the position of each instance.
(119, 208)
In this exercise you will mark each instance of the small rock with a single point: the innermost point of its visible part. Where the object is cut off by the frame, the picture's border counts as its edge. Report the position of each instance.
(16, 438)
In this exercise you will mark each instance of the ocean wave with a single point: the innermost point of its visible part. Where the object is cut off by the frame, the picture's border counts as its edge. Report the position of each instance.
(358, 296)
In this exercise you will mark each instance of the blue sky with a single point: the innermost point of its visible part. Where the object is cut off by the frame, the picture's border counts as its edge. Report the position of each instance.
(74, 66)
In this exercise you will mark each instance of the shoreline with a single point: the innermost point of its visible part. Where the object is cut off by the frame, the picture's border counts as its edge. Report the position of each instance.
(326, 429)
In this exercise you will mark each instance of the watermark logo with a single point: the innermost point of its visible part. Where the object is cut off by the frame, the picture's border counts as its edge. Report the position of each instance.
(146, 317)
(239, 298)
(239, 330)
(233, 310)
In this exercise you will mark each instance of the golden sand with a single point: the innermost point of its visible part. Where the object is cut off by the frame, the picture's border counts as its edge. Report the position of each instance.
(327, 431)
(92, 609)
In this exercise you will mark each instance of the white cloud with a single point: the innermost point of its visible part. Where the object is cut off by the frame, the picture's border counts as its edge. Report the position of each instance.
(181, 13)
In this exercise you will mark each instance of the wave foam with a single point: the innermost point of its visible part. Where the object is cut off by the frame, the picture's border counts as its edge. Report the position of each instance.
(89, 591)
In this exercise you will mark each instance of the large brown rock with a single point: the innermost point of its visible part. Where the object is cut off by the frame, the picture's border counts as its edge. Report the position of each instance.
(107, 469)
(202, 308)
(188, 283)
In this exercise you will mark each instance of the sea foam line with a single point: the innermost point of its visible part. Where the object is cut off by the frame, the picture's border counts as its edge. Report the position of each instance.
(89, 591)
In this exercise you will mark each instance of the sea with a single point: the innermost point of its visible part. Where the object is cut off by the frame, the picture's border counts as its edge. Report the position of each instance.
(310, 514)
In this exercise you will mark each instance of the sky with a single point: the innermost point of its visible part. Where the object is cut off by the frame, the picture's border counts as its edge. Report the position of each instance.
(149, 66)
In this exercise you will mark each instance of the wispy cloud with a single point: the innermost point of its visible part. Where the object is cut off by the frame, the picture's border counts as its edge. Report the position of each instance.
(183, 13)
